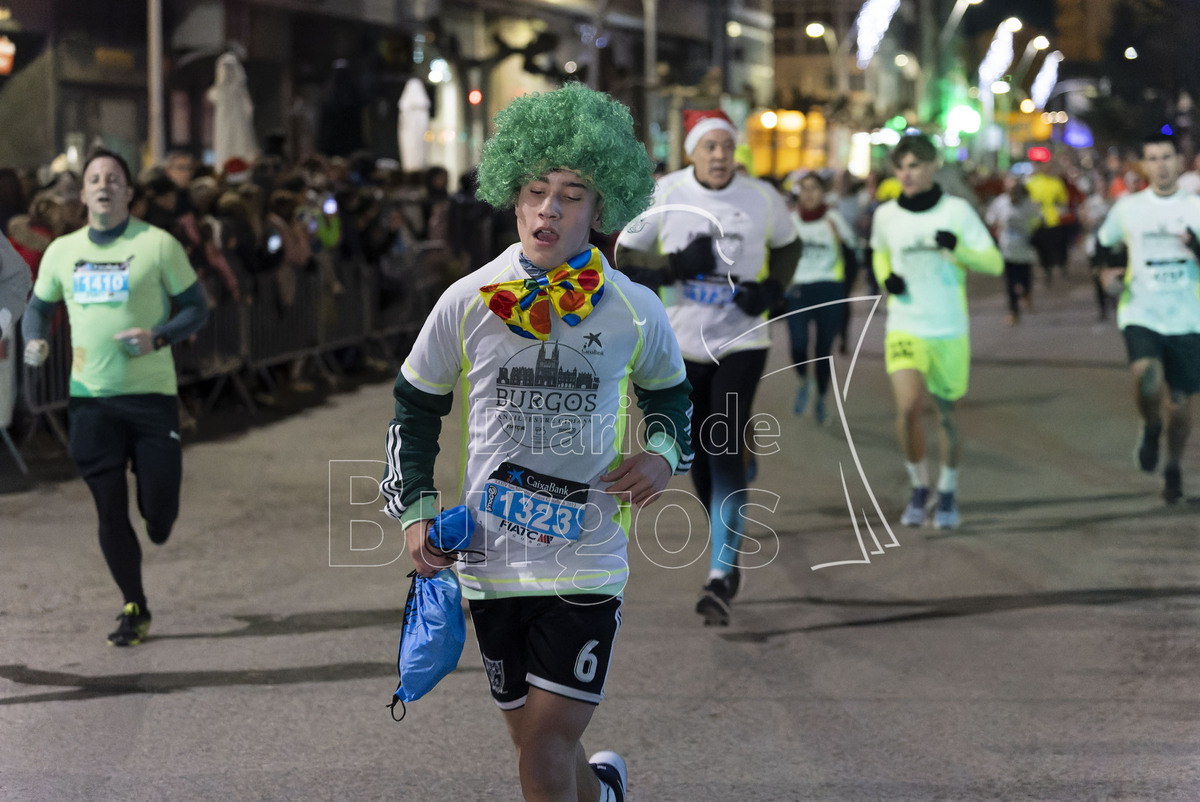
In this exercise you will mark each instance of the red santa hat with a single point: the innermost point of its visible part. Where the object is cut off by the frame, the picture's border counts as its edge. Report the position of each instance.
(236, 170)
(698, 122)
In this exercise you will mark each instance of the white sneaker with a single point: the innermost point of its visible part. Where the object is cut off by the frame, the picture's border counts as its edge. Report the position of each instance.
(915, 513)
(945, 514)
(610, 768)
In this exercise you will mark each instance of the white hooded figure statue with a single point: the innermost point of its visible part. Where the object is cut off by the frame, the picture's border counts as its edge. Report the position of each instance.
(233, 113)
(414, 121)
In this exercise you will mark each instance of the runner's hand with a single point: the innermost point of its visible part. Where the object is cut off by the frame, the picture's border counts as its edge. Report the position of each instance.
(756, 297)
(1112, 279)
(895, 284)
(137, 342)
(695, 260)
(36, 352)
(641, 478)
(425, 559)
(946, 239)
(1191, 242)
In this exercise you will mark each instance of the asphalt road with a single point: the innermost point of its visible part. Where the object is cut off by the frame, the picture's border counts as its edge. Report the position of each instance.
(1046, 650)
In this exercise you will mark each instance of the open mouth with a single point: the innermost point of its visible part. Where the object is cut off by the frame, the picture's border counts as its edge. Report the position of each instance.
(546, 236)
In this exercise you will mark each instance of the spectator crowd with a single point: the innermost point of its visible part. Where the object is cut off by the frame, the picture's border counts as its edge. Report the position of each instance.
(254, 231)
(259, 233)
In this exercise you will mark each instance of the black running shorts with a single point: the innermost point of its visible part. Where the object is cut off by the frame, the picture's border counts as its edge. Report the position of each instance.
(114, 431)
(1178, 353)
(561, 644)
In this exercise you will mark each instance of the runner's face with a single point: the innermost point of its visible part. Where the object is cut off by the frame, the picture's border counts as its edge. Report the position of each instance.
(914, 175)
(811, 194)
(714, 159)
(1162, 165)
(555, 215)
(106, 193)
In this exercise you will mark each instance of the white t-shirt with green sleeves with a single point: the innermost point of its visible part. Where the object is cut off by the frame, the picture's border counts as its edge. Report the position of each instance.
(1162, 282)
(935, 304)
(109, 288)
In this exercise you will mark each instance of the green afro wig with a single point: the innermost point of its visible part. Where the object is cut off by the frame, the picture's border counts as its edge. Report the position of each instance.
(574, 128)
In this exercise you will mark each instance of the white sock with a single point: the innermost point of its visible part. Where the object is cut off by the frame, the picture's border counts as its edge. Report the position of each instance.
(918, 474)
(948, 481)
(712, 575)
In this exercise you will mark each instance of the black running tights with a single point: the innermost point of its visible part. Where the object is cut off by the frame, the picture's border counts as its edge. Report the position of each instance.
(107, 434)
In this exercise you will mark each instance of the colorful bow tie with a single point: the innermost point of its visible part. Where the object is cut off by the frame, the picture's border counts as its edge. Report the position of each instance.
(573, 288)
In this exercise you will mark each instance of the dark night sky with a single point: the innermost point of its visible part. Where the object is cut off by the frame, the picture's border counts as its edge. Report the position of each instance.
(987, 15)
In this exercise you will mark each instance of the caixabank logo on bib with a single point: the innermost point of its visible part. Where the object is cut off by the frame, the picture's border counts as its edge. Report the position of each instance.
(543, 394)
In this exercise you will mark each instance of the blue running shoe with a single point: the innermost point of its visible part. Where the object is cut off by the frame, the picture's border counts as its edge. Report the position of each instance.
(819, 412)
(610, 768)
(801, 400)
(914, 513)
(945, 514)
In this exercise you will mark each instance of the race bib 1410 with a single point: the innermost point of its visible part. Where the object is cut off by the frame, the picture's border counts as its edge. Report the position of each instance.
(101, 282)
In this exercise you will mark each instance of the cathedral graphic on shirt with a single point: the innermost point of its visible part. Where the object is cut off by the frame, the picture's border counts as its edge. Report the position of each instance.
(549, 369)
(544, 396)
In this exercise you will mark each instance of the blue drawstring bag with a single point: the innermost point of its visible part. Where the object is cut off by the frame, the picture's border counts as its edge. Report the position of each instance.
(432, 638)
(434, 630)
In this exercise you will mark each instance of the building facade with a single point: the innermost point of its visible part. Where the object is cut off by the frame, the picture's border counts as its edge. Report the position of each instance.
(325, 76)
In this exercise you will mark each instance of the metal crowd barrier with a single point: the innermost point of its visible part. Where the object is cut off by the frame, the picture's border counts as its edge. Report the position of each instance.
(242, 339)
(411, 286)
(217, 353)
(343, 318)
(280, 331)
(46, 390)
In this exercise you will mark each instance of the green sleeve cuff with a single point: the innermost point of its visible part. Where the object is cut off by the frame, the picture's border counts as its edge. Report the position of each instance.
(424, 510)
(987, 261)
(664, 445)
(881, 265)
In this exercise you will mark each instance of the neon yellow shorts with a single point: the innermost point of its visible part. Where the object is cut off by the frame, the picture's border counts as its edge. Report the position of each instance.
(945, 363)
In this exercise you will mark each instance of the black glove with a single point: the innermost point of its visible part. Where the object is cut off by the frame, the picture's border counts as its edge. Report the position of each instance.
(756, 297)
(1192, 243)
(946, 239)
(895, 284)
(651, 277)
(695, 260)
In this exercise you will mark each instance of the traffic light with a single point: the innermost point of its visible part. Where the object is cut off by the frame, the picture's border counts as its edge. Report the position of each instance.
(475, 97)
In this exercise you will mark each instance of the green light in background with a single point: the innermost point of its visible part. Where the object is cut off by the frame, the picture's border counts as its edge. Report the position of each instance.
(963, 119)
